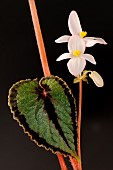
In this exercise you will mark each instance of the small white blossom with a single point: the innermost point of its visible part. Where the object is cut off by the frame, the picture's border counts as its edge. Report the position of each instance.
(77, 62)
(76, 29)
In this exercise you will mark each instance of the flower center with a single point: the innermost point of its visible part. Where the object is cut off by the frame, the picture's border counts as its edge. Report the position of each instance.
(76, 53)
(83, 34)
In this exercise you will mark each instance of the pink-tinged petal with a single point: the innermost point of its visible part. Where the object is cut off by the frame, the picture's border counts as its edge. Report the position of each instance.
(74, 23)
(91, 41)
(76, 43)
(64, 56)
(97, 79)
(62, 39)
(89, 58)
(76, 65)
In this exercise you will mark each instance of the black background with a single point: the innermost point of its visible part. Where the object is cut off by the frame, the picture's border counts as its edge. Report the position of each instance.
(19, 59)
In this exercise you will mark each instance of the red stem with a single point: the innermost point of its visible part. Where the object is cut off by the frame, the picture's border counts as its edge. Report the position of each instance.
(74, 163)
(43, 56)
(61, 162)
(79, 123)
(39, 38)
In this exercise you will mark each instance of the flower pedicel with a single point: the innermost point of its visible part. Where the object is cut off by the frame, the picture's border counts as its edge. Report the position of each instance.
(97, 79)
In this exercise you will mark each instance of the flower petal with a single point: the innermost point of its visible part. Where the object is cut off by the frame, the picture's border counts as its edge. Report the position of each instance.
(62, 39)
(76, 43)
(89, 58)
(64, 56)
(74, 23)
(91, 41)
(97, 79)
(76, 65)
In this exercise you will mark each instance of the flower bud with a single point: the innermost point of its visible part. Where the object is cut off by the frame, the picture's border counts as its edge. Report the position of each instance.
(97, 79)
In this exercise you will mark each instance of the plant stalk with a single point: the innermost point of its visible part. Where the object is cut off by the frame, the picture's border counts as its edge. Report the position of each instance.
(43, 57)
(61, 162)
(39, 38)
(79, 124)
(74, 163)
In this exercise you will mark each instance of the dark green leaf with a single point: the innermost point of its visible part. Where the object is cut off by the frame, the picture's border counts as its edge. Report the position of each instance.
(47, 112)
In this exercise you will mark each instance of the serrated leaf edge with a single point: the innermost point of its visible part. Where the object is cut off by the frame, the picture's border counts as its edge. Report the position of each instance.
(25, 131)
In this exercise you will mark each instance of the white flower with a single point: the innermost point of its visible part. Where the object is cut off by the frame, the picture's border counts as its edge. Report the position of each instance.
(76, 29)
(77, 61)
(97, 79)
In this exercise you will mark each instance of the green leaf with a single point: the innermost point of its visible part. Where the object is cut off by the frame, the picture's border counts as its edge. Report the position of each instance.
(46, 110)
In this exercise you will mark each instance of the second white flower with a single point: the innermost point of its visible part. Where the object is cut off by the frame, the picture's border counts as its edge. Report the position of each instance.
(77, 62)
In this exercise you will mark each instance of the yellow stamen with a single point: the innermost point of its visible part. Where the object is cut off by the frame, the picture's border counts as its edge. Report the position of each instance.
(76, 53)
(83, 34)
